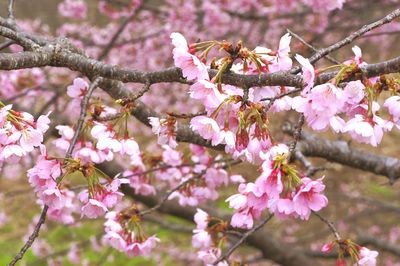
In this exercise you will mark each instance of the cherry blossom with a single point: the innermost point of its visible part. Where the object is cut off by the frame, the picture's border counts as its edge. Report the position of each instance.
(73, 9)
(192, 67)
(309, 197)
(78, 89)
(367, 257)
(308, 73)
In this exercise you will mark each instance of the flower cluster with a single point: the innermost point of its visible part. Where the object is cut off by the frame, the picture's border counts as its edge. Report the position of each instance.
(278, 188)
(201, 182)
(20, 133)
(73, 9)
(206, 237)
(98, 198)
(234, 117)
(165, 129)
(324, 105)
(238, 118)
(359, 255)
(44, 178)
(123, 232)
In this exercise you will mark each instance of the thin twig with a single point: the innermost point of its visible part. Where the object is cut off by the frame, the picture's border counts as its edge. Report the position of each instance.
(107, 117)
(145, 89)
(314, 49)
(242, 239)
(82, 115)
(53, 100)
(114, 38)
(397, 32)
(311, 169)
(169, 193)
(42, 218)
(168, 166)
(24, 93)
(186, 116)
(139, 94)
(161, 221)
(296, 135)
(6, 44)
(11, 10)
(176, 188)
(273, 99)
(329, 224)
(32, 237)
(364, 29)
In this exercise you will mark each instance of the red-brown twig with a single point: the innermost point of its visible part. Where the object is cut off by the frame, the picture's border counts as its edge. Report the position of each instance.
(242, 239)
(329, 224)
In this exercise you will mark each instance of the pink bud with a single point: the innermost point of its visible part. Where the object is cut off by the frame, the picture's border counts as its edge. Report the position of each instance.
(327, 247)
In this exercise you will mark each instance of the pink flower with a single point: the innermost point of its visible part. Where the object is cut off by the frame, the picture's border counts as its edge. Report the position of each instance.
(237, 179)
(42, 123)
(324, 5)
(115, 240)
(237, 201)
(192, 67)
(3, 218)
(201, 239)
(281, 207)
(64, 214)
(216, 177)
(73, 9)
(4, 114)
(74, 254)
(30, 138)
(210, 255)
(283, 58)
(12, 150)
(270, 182)
(354, 94)
(393, 105)
(309, 197)
(327, 247)
(93, 209)
(142, 248)
(201, 219)
(367, 257)
(78, 88)
(308, 73)
(366, 130)
(207, 128)
(44, 173)
(111, 144)
(320, 107)
(178, 41)
(53, 198)
(164, 130)
(207, 93)
(171, 157)
(130, 147)
(357, 59)
(243, 219)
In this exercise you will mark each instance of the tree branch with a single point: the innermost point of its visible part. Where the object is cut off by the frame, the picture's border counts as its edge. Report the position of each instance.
(243, 238)
(42, 218)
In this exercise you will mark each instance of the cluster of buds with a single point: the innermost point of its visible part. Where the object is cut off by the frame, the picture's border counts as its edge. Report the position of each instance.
(359, 255)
